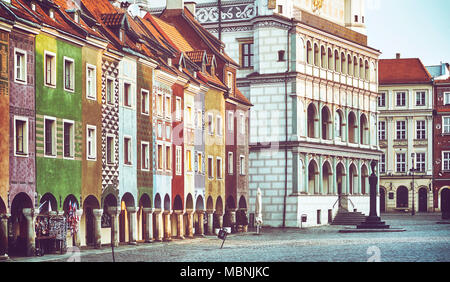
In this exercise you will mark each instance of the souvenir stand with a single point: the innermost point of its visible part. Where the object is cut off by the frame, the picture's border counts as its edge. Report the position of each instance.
(51, 232)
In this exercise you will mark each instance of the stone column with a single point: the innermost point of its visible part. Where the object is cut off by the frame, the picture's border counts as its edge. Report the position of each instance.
(210, 218)
(79, 213)
(167, 226)
(233, 220)
(4, 234)
(180, 229)
(158, 225)
(97, 227)
(148, 232)
(30, 215)
(190, 223)
(132, 225)
(114, 212)
(201, 227)
(220, 218)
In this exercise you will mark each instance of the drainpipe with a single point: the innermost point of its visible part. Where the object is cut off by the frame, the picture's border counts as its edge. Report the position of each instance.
(286, 121)
(220, 20)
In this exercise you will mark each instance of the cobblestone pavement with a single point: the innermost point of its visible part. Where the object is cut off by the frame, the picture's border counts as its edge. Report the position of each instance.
(423, 241)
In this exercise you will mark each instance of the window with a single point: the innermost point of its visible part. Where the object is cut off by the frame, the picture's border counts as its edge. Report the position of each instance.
(210, 167)
(178, 160)
(50, 136)
(230, 121)
(420, 130)
(168, 107)
(127, 94)
(109, 91)
(382, 130)
(247, 55)
(230, 163)
(199, 162)
(382, 100)
(383, 163)
(420, 162)
(91, 82)
(230, 82)
(281, 56)
(69, 74)
(168, 158)
(50, 69)
(242, 165)
(189, 160)
(110, 158)
(242, 123)
(145, 102)
(210, 124)
(68, 139)
(420, 98)
(160, 157)
(178, 108)
(446, 161)
(401, 162)
(401, 130)
(127, 150)
(51, 13)
(218, 168)
(401, 99)
(145, 157)
(447, 98)
(219, 126)
(446, 125)
(356, 18)
(20, 64)
(91, 142)
(189, 115)
(199, 119)
(21, 136)
(159, 105)
(280, 9)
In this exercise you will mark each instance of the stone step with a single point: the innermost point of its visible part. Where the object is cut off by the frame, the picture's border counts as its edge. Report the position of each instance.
(348, 218)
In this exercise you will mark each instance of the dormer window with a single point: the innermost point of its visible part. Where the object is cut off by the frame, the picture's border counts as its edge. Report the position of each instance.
(33, 7)
(76, 17)
(121, 35)
(51, 14)
(169, 61)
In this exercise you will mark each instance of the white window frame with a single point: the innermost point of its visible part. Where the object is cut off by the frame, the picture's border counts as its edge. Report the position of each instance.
(210, 172)
(23, 68)
(423, 99)
(113, 86)
(382, 130)
(53, 69)
(397, 162)
(25, 137)
(72, 76)
(131, 96)
(159, 105)
(446, 98)
(230, 81)
(54, 140)
(146, 110)
(130, 150)
(382, 97)
(199, 119)
(91, 93)
(421, 131)
(145, 161)
(421, 163)
(446, 127)
(160, 158)
(210, 124)
(178, 107)
(178, 160)
(400, 130)
(167, 106)
(230, 163)
(220, 176)
(188, 116)
(242, 170)
(230, 121)
(397, 100)
(72, 141)
(93, 155)
(189, 161)
(168, 166)
(199, 162)
(219, 125)
(383, 163)
(113, 152)
(445, 162)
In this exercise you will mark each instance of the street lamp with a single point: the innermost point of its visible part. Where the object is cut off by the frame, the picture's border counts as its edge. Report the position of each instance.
(412, 170)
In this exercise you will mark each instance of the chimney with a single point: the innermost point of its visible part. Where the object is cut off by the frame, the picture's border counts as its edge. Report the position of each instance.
(175, 4)
(191, 7)
(397, 56)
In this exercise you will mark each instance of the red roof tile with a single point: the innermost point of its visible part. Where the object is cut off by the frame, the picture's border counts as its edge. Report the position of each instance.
(113, 20)
(402, 71)
(196, 56)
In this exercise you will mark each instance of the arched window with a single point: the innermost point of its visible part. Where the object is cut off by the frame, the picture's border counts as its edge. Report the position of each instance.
(330, 59)
(343, 64)
(349, 65)
(323, 57)
(355, 67)
(361, 69)
(316, 55)
(309, 53)
(367, 71)
(337, 66)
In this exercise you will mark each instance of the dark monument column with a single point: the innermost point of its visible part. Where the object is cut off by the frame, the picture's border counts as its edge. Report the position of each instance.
(373, 221)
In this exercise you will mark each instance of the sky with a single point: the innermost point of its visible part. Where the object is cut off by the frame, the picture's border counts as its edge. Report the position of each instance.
(413, 28)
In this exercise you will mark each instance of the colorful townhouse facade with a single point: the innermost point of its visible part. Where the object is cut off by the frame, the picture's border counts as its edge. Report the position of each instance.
(113, 120)
(405, 133)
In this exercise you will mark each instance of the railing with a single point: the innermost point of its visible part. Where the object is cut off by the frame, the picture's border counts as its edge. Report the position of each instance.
(336, 202)
(353, 205)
